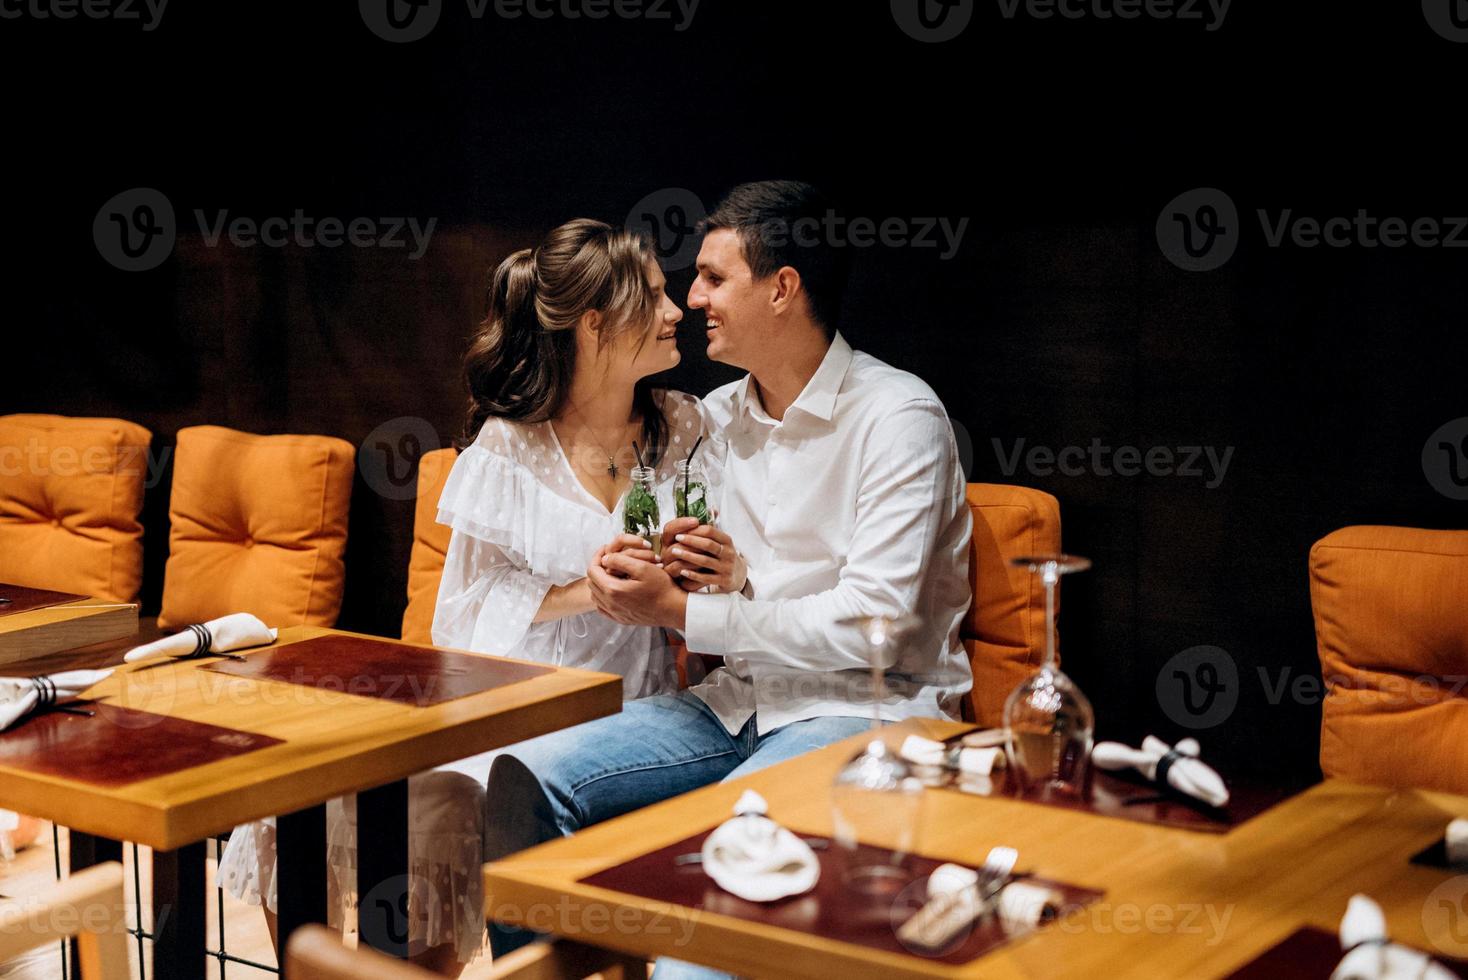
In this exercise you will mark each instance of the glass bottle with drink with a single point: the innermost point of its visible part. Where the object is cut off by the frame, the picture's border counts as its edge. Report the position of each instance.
(641, 510)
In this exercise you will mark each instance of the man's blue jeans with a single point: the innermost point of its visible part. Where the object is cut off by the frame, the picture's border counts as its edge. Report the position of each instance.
(657, 748)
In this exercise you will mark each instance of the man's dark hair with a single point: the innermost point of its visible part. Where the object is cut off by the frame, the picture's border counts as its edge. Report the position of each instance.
(784, 222)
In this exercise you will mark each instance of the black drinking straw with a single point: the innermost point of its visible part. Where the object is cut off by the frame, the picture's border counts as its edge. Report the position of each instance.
(689, 460)
(640, 463)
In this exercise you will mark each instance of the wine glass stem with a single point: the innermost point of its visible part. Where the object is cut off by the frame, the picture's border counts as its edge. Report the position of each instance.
(876, 686)
(1050, 577)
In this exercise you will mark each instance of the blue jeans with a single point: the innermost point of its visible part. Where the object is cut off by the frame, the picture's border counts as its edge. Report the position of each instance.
(655, 749)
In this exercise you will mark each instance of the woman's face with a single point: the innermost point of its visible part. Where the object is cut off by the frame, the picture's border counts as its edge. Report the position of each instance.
(652, 348)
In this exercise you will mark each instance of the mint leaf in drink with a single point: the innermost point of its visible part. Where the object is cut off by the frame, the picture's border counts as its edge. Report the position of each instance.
(642, 514)
(690, 502)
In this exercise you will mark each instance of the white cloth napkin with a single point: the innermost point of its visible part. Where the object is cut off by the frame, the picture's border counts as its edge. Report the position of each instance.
(1378, 959)
(233, 632)
(755, 858)
(972, 762)
(20, 696)
(1456, 841)
(1188, 774)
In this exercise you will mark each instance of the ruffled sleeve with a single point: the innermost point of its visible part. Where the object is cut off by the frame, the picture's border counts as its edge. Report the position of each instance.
(513, 540)
(504, 501)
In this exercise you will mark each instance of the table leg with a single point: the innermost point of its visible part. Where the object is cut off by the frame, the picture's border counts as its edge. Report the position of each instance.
(88, 850)
(382, 868)
(300, 855)
(178, 913)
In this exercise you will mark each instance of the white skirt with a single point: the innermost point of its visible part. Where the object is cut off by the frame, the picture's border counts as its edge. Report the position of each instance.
(445, 859)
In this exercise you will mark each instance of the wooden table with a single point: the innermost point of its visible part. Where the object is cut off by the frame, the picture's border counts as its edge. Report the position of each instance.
(1177, 903)
(37, 632)
(334, 744)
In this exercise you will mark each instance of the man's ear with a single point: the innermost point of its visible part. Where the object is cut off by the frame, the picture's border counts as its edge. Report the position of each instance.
(786, 288)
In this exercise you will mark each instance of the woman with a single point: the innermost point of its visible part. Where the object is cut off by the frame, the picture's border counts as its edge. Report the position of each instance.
(558, 394)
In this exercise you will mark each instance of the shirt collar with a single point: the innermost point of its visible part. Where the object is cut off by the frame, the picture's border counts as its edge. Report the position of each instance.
(818, 397)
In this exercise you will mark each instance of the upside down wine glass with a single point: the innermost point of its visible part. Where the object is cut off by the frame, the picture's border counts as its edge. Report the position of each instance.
(876, 801)
(1049, 725)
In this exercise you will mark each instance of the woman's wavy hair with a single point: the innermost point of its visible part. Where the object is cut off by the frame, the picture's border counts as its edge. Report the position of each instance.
(522, 358)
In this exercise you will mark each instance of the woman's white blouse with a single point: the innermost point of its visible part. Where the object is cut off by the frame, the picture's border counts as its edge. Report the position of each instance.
(521, 523)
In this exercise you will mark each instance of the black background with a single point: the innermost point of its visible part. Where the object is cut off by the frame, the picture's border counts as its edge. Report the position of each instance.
(1058, 322)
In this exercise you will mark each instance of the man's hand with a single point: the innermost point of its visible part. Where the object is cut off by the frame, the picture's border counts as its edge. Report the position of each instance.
(702, 555)
(634, 591)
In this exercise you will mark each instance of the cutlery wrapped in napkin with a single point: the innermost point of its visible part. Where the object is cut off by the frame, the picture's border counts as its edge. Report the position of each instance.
(755, 858)
(22, 696)
(1455, 841)
(968, 761)
(1370, 956)
(234, 632)
(1177, 765)
(1020, 904)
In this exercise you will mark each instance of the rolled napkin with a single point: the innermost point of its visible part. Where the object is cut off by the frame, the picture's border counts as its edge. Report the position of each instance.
(22, 696)
(1370, 956)
(985, 738)
(972, 762)
(751, 856)
(1455, 840)
(1023, 905)
(1178, 764)
(233, 632)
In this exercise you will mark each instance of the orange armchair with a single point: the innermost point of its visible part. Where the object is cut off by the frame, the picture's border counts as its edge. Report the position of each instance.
(71, 490)
(1391, 626)
(259, 525)
(1004, 630)
(430, 546)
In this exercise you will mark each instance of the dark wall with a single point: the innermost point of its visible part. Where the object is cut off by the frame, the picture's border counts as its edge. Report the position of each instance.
(1058, 321)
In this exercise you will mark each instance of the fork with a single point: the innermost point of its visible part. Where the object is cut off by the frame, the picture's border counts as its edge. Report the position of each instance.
(946, 915)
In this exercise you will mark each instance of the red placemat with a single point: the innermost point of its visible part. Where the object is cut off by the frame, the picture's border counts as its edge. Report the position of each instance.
(117, 745)
(400, 672)
(1307, 954)
(22, 599)
(830, 910)
(1128, 796)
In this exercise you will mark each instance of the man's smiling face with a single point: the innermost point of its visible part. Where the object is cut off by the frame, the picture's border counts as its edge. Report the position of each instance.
(736, 308)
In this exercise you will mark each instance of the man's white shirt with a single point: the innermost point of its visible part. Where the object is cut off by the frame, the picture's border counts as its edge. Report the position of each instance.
(853, 504)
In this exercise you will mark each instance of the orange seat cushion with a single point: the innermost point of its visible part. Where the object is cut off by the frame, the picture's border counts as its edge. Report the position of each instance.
(1004, 631)
(430, 546)
(1391, 625)
(71, 490)
(259, 525)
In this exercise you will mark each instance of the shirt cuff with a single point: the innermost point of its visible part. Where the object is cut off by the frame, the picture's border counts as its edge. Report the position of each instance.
(706, 623)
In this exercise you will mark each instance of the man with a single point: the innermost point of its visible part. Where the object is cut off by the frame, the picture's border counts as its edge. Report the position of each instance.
(841, 489)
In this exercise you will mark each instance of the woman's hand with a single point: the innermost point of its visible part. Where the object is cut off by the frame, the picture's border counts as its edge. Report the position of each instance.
(630, 545)
(703, 555)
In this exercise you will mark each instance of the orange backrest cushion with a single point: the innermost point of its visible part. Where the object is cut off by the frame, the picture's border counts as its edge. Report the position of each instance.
(430, 545)
(1391, 626)
(1004, 630)
(71, 490)
(259, 525)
